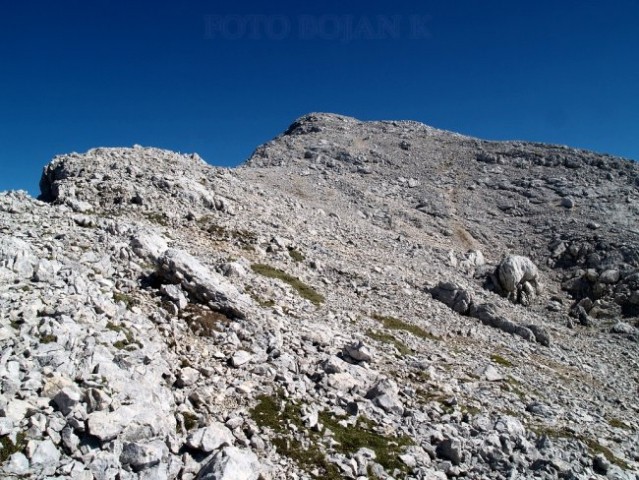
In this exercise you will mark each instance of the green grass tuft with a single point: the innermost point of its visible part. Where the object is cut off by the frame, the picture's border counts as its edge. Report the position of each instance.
(190, 421)
(128, 300)
(515, 386)
(296, 255)
(8, 448)
(593, 446)
(244, 237)
(308, 450)
(498, 359)
(129, 342)
(159, 218)
(387, 338)
(353, 437)
(393, 323)
(114, 328)
(470, 410)
(616, 423)
(277, 414)
(302, 289)
(264, 303)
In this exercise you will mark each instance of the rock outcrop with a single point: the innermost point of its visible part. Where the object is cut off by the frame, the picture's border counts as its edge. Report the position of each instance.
(518, 278)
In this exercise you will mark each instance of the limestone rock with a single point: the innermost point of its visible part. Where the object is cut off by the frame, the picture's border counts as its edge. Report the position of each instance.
(210, 438)
(141, 456)
(358, 352)
(489, 373)
(67, 399)
(187, 377)
(454, 296)
(202, 283)
(175, 293)
(17, 256)
(384, 394)
(231, 463)
(17, 464)
(45, 457)
(105, 425)
(515, 270)
(241, 357)
(450, 449)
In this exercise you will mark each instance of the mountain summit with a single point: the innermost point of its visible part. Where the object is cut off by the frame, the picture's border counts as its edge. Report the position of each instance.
(358, 300)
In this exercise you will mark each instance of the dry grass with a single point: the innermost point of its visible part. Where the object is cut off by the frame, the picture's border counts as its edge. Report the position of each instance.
(464, 237)
(205, 323)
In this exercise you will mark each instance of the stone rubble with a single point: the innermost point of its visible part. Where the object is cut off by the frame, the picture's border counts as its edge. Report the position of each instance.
(359, 300)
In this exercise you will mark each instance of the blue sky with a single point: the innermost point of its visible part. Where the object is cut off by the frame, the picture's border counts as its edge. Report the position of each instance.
(219, 78)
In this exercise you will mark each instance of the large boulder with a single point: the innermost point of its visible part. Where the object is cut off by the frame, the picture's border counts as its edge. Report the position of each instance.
(453, 296)
(178, 266)
(473, 260)
(489, 315)
(518, 278)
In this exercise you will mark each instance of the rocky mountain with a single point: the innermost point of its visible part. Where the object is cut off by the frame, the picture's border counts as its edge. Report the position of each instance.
(359, 300)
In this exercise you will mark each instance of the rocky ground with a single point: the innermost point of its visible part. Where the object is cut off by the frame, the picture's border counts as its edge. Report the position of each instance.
(337, 307)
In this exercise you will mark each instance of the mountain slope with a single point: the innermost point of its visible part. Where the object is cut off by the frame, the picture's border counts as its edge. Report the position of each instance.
(330, 309)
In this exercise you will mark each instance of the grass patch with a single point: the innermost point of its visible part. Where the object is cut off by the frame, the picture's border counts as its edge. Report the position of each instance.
(128, 300)
(421, 376)
(387, 338)
(593, 446)
(302, 289)
(190, 421)
(158, 218)
(268, 413)
(276, 414)
(471, 410)
(114, 328)
(596, 448)
(9, 448)
(427, 396)
(296, 255)
(128, 342)
(283, 416)
(510, 412)
(268, 303)
(353, 437)
(616, 423)
(244, 237)
(514, 386)
(308, 458)
(48, 339)
(205, 323)
(393, 323)
(121, 344)
(498, 359)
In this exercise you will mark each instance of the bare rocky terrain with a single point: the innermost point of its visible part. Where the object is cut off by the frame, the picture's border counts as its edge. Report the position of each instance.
(358, 300)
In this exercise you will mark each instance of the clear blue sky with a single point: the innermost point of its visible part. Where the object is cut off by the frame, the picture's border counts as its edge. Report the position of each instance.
(219, 78)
